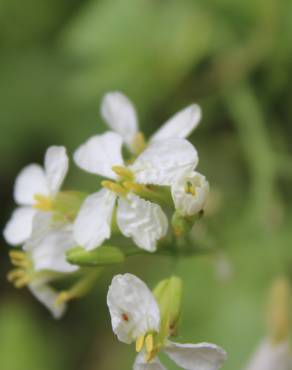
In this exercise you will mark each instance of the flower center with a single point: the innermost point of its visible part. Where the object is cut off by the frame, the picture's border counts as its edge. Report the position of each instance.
(43, 203)
(190, 188)
(150, 347)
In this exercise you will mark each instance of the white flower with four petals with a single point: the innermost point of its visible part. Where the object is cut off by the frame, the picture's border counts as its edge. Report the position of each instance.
(135, 312)
(159, 164)
(120, 115)
(35, 188)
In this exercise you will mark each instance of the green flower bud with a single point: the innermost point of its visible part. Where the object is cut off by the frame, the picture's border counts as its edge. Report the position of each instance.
(101, 256)
(168, 294)
(183, 224)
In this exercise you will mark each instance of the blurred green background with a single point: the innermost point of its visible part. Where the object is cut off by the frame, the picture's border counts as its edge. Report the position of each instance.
(58, 57)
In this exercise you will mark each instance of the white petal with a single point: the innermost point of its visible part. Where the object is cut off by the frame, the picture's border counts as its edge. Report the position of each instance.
(141, 220)
(100, 153)
(133, 308)
(18, 228)
(140, 363)
(49, 243)
(56, 167)
(93, 223)
(29, 182)
(180, 125)
(271, 356)
(163, 162)
(186, 203)
(120, 114)
(202, 356)
(47, 296)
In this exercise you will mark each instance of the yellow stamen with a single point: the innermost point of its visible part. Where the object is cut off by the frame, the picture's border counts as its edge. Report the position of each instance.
(17, 254)
(136, 188)
(190, 189)
(20, 263)
(19, 259)
(22, 282)
(149, 343)
(15, 274)
(123, 172)
(43, 203)
(116, 188)
(140, 343)
(139, 143)
(63, 297)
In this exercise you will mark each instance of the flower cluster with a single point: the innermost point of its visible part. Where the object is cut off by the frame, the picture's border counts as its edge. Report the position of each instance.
(150, 192)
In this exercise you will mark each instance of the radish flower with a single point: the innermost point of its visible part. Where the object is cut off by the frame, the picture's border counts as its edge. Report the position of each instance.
(35, 189)
(136, 317)
(144, 221)
(120, 115)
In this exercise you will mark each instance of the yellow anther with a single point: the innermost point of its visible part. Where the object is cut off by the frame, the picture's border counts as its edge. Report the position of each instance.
(43, 203)
(63, 297)
(140, 343)
(20, 263)
(18, 258)
(123, 172)
(139, 143)
(17, 254)
(190, 189)
(22, 282)
(15, 274)
(116, 188)
(149, 342)
(136, 188)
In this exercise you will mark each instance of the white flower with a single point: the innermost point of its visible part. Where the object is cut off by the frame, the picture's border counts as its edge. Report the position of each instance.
(48, 243)
(45, 294)
(137, 218)
(272, 356)
(120, 115)
(190, 193)
(133, 308)
(44, 259)
(136, 317)
(35, 188)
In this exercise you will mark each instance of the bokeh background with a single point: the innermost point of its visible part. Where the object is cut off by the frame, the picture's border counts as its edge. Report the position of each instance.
(58, 57)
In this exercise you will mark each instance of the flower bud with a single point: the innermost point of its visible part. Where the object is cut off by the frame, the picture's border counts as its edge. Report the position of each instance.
(101, 256)
(168, 294)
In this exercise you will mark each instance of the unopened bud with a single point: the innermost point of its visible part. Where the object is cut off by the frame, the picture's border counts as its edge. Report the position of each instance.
(168, 294)
(101, 256)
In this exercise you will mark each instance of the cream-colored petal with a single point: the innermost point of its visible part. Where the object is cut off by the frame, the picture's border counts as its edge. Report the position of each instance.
(141, 364)
(120, 114)
(18, 228)
(47, 296)
(180, 125)
(49, 243)
(141, 220)
(100, 153)
(30, 181)
(56, 167)
(93, 223)
(202, 356)
(163, 162)
(133, 308)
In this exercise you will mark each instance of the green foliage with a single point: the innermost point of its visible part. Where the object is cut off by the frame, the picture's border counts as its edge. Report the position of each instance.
(234, 58)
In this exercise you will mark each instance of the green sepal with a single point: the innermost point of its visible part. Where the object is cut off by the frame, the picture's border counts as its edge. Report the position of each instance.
(102, 256)
(182, 225)
(168, 294)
